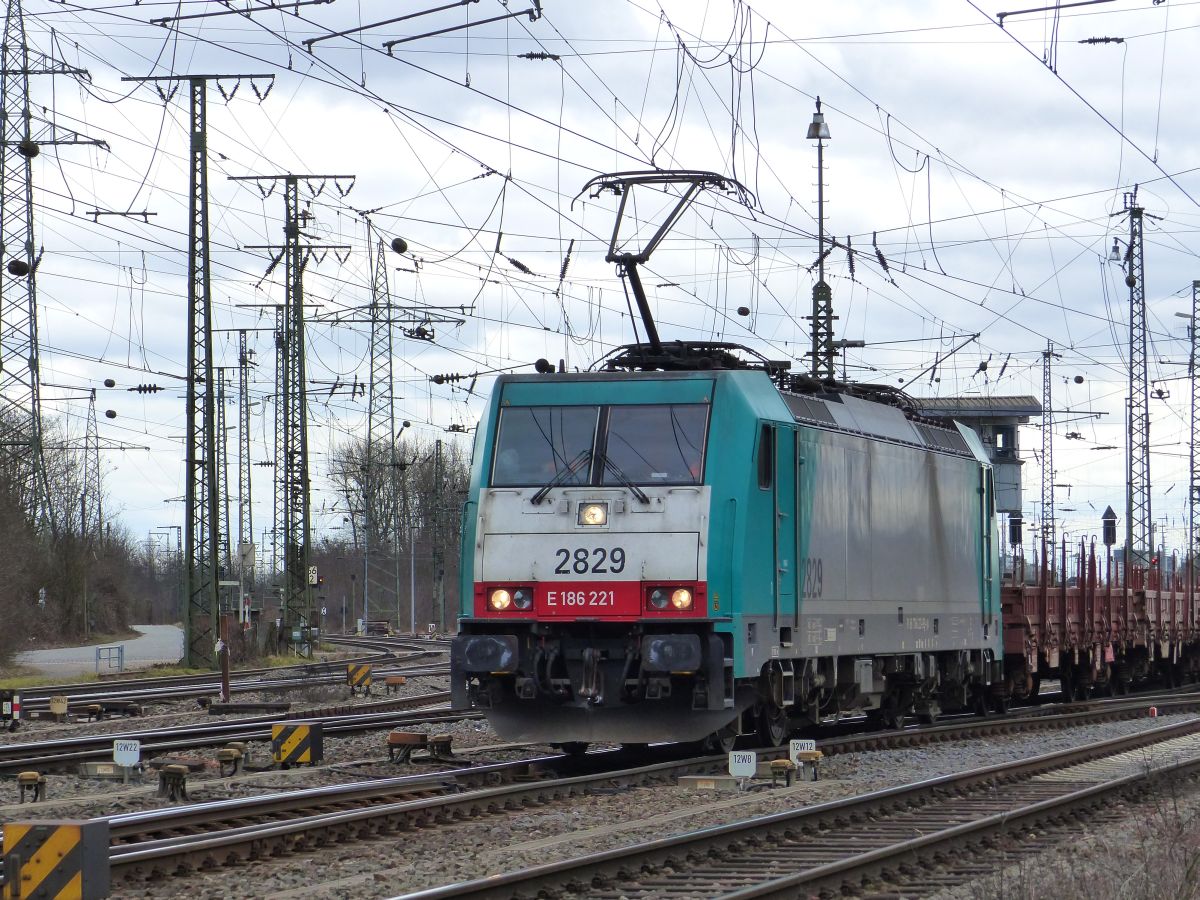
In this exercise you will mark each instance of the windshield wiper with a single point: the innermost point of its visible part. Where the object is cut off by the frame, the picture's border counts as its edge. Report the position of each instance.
(575, 465)
(611, 466)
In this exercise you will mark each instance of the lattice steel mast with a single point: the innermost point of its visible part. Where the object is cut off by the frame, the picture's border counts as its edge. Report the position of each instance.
(279, 506)
(202, 507)
(246, 559)
(21, 450)
(224, 555)
(1047, 530)
(1137, 481)
(381, 444)
(291, 461)
(1193, 481)
(91, 513)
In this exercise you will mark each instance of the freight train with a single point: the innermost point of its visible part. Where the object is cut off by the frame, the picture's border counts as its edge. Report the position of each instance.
(695, 554)
(690, 543)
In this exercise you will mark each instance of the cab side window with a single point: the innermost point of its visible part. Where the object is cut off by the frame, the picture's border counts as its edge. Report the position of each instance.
(766, 456)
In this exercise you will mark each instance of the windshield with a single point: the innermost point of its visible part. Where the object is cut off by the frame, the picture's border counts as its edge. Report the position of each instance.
(537, 444)
(656, 444)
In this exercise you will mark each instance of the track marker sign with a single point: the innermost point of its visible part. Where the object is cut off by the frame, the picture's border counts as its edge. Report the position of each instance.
(795, 748)
(127, 753)
(743, 763)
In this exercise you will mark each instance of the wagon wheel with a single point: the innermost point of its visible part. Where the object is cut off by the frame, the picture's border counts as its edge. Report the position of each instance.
(772, 725)
(891, 716)
(1000, 704)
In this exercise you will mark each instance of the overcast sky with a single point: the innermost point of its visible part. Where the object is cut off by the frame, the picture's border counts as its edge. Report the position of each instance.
(986, 165)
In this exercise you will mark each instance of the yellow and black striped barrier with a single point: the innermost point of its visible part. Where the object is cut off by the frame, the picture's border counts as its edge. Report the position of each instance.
(297, 743)
(358, 676)
(66, 860)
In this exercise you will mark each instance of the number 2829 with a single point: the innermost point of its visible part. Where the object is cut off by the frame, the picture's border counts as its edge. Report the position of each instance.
(596, 561)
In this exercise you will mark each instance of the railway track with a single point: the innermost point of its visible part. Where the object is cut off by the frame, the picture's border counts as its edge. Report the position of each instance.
(174, 841)
(185, 686)
(917, 837)
(66, 752)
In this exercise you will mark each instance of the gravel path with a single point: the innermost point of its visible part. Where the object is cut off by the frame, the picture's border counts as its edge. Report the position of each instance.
(393, 865)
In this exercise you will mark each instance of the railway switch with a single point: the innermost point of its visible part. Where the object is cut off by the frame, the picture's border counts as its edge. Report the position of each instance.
(784, 768)
(297, 743)
(401, 744)
(229, 758)
(172, 782)
(358, 676)
(66, 858)
(809, 763)
(58, 707)
(32, 783)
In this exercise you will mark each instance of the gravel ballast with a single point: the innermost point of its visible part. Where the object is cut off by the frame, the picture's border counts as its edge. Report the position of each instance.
(412, 860)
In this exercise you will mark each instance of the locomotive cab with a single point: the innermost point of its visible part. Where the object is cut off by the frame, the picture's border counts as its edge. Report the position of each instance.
(588, 543)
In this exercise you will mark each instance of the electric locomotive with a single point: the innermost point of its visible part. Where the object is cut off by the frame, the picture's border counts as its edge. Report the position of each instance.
(690, 555)
(690, 543)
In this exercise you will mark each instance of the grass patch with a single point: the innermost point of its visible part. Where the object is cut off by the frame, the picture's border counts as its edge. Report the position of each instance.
(20, 679)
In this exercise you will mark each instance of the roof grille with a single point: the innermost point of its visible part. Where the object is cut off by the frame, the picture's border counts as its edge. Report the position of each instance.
(942, 438)
(809, 409)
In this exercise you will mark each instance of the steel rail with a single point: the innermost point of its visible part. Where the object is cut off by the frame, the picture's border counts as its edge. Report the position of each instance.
(253, 841)
(608, 866)
(67, 751)
(182, 686)
(855, 869)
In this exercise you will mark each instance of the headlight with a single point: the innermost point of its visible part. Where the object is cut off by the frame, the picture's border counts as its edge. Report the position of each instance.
(681, 598)
(523, 598)
(658, 599)
(593, 514)
(499, 599)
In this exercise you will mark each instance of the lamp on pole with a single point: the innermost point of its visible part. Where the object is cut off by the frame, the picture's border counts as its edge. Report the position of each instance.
(822, 304)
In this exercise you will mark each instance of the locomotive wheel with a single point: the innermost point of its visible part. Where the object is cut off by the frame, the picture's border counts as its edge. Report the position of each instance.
(929, 714)
(891, 717)
(772, 725)
(722, 741)
(979, 702)
(574, 748)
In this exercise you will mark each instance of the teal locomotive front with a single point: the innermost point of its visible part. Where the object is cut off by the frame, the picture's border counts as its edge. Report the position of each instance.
(692, 555)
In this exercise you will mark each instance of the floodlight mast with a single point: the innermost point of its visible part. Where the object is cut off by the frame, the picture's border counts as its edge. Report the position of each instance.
(622, 184)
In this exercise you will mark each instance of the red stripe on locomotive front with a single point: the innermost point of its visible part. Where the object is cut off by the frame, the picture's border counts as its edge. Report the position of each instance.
(616, 601)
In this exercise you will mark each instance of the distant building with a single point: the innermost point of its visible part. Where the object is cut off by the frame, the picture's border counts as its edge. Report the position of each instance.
(995, 420)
